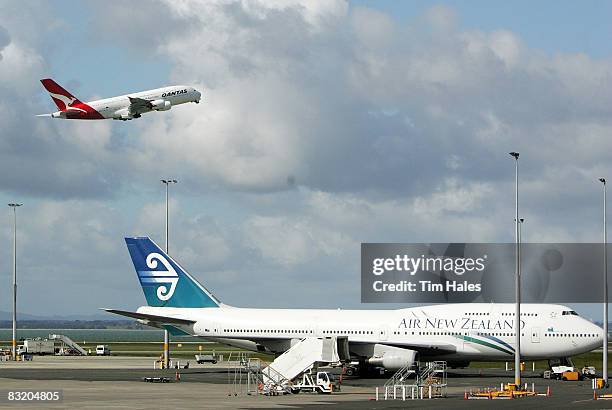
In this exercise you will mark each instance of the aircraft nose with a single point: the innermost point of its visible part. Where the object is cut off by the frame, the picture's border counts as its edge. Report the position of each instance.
(198, 95)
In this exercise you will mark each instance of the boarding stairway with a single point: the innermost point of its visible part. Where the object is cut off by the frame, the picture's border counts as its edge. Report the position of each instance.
(300, 358)
(433, 373)
(70, 343)
(403, 376)
(428, 379)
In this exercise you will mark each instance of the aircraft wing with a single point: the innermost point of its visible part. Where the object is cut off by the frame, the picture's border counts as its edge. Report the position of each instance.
(428, 348)
(139, 105)
(152, 318)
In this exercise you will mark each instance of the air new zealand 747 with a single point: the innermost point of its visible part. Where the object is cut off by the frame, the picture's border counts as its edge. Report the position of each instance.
(457, 333)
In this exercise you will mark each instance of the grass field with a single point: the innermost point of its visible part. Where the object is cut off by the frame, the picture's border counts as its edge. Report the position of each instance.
(187, 350)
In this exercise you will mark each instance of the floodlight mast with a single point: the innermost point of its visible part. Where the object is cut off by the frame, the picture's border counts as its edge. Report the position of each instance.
(605, 288)
(14, 342)
(167, 182)
(517, 273)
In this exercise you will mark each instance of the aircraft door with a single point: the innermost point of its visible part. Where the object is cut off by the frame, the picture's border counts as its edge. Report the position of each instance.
(535, 335)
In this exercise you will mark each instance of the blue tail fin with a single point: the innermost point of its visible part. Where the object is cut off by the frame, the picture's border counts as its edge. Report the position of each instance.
(163, 281)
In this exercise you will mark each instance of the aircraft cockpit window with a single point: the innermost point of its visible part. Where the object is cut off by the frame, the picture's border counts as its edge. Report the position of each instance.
(569, 312)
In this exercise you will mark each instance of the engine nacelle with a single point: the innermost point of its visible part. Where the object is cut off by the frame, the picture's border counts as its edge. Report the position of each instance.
(393, 358)
(123, 114)
(161, 105)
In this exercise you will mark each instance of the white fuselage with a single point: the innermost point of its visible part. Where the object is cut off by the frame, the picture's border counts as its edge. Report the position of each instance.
(122, 108)
(462, 331)
(113, 107)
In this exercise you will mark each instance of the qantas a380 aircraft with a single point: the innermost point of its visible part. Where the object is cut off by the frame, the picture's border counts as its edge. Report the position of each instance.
(123, 107)
(392, 339)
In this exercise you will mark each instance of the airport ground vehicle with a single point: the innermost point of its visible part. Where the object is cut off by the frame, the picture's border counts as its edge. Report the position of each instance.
(324, 382)
(589, 372)
(103, 350)
(571, 376)
(36, 346)
(565, 373)
(208, 358)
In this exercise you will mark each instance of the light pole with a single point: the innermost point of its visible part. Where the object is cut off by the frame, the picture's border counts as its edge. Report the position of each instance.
(605, 288)
(14, 206)
(167, 182)
(517, 273)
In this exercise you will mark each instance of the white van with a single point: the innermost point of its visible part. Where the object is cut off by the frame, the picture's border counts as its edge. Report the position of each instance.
(103, 350)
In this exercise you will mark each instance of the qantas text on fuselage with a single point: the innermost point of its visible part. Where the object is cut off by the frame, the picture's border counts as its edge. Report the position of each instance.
(123, 107)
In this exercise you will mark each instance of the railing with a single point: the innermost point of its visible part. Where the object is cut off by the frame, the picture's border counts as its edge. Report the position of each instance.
(430, 382)
(69, 342)
(401, 377)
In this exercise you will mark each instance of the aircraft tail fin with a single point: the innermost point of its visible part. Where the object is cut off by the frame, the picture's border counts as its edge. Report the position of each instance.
(164, 282)
(60, 96)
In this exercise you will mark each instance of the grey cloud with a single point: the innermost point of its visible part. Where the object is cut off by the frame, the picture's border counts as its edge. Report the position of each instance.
(323, 131)
(363, 104)
(5, 39)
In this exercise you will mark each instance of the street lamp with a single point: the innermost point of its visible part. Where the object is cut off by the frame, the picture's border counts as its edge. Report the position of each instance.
(14, 206)
(605, 288)
(167, 182)
(517, 273)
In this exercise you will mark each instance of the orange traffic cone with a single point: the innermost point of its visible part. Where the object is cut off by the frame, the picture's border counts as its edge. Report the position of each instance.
(465, 395)
(511, 394)
(177, 376)
(548, 393)
(594, 394)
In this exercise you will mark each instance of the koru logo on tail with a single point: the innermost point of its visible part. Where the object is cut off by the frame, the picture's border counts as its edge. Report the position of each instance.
(161, 277)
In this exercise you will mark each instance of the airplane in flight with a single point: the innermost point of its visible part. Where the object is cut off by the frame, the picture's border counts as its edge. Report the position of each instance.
(123, 107)
(390, 339)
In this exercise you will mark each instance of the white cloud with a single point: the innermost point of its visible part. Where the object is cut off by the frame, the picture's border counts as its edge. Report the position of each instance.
(324, 126)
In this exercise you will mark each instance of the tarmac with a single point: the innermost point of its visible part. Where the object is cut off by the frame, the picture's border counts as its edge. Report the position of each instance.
(116, 383)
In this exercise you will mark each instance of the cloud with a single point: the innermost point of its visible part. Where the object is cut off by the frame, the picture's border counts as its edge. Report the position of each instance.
(322, 126)
(346, 100)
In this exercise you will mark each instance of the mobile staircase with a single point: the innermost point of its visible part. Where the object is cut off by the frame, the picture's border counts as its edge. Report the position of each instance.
(68, 342)
(418, 380)
(309, 352)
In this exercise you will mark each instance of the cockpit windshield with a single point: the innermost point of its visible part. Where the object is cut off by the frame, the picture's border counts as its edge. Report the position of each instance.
(569, 312)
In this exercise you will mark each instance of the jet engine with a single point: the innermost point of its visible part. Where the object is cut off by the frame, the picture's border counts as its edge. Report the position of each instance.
(392, 358)
(123, 114)
(161, 105)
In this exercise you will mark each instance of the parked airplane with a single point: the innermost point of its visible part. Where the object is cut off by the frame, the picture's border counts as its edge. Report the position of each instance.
(457, 333)
(123, 107)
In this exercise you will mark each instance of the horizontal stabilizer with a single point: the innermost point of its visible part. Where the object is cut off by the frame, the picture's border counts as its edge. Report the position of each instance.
(152, 318)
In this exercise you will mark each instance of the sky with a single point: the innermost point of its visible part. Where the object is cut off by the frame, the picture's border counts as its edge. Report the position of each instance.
(323, 125)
